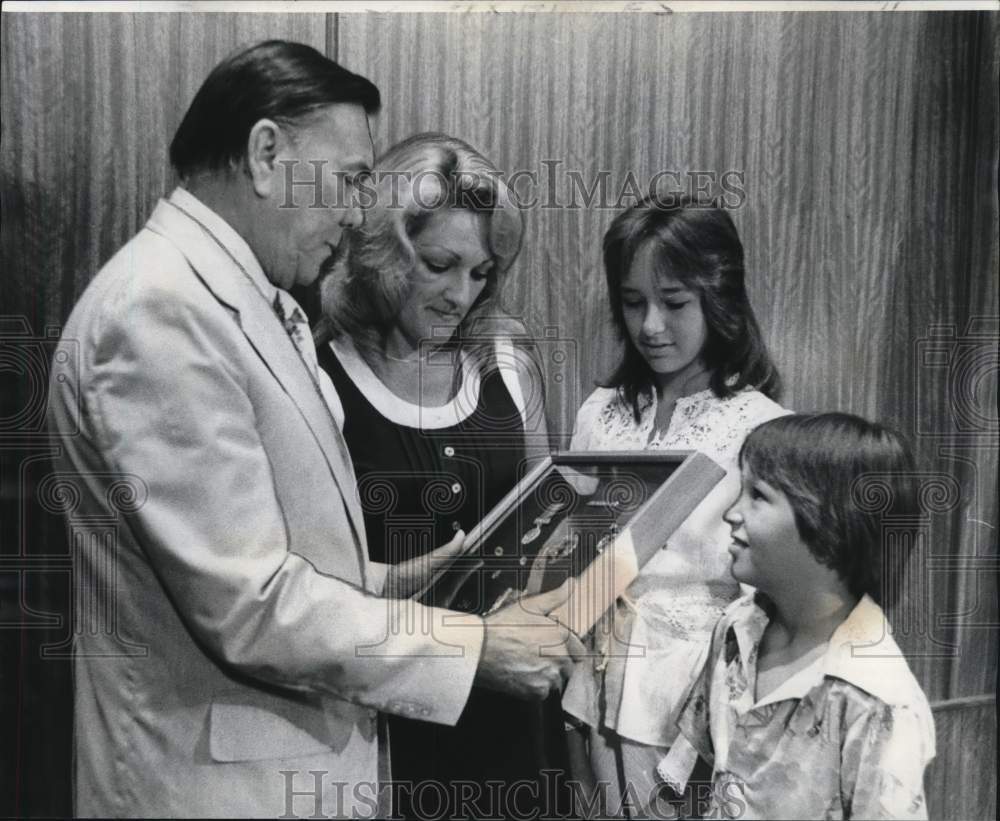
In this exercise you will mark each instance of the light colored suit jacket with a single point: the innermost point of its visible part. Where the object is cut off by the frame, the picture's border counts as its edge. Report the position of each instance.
(244, 646)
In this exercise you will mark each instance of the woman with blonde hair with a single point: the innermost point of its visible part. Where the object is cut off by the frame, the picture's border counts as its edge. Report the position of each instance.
(442, 410)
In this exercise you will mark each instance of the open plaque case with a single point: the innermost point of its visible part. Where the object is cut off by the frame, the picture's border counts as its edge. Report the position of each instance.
(596, 516)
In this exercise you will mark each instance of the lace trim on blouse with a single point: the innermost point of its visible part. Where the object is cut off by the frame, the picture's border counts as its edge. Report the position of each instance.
(701, 421)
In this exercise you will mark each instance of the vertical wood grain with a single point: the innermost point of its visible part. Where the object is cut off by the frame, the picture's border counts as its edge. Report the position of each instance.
(959, 783)
(90, 104)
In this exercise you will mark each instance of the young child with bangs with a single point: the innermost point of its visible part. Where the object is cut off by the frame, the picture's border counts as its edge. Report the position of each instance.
(806, 707)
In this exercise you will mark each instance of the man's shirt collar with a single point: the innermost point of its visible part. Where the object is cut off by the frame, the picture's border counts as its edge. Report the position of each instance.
(226, 236)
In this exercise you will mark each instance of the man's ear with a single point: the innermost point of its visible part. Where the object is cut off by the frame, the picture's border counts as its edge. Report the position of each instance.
(264, 144)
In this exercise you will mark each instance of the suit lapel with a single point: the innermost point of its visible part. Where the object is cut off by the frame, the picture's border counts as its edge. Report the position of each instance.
(227, 282)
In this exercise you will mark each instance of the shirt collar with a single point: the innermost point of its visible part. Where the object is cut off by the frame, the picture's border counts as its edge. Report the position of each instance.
(234, 244)
(861, 652)
(750, 619)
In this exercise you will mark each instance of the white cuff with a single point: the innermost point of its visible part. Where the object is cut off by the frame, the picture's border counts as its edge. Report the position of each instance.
(676, 768)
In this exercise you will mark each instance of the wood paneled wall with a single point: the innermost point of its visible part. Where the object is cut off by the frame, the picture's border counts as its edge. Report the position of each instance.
(867, 145)
(961, 781)
(91, 102)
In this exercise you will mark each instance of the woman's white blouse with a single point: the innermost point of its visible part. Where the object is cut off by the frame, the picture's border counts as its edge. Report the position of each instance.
(660, 631)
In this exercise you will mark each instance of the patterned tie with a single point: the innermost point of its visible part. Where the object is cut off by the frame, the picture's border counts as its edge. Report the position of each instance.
(297, 327)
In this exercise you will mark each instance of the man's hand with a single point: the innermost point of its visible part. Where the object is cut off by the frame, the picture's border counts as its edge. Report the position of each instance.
(411, 578)
(525, 653)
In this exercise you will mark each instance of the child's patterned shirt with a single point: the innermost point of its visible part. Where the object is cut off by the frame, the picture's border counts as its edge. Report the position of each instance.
(849, 736)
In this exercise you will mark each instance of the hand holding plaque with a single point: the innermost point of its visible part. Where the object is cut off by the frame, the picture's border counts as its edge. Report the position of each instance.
(525, 652)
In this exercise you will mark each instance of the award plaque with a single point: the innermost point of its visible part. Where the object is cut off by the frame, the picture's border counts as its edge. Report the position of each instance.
(595, 516)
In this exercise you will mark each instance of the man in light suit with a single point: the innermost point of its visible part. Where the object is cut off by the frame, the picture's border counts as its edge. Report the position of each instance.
(260, 651)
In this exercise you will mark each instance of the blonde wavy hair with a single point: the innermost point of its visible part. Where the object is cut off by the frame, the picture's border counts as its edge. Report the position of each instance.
(365, 292)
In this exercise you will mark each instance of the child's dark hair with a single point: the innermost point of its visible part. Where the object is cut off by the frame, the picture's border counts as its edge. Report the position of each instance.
(699, 246)
(841, 474)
